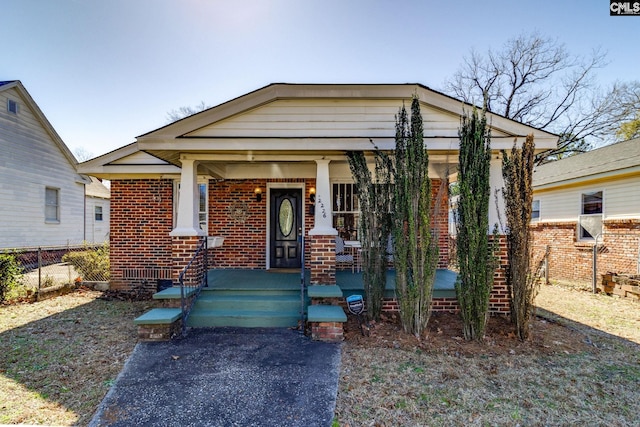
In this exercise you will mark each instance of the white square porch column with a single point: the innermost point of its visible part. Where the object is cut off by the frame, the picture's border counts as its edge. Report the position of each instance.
(323, 220)
(322, 237)
(187, 222)
(496, 200)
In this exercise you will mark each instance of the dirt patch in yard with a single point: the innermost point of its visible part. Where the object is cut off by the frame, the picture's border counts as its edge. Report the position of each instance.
(444, 336)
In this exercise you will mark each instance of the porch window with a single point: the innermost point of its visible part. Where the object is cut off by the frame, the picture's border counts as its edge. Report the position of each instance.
(203, 214)
(345, 210)
(203, 203)
(52, 205)
(590, 220)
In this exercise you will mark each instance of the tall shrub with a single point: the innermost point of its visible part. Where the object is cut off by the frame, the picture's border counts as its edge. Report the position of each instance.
(10, 274)
(91, 263)
(415, 251)
(517, 171)
(474, 251)
(374, 198)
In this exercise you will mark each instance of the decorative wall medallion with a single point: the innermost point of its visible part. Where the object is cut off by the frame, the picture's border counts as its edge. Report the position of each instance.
(238, 212)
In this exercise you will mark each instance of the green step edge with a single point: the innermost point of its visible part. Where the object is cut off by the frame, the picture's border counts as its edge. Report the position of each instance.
(159, 316)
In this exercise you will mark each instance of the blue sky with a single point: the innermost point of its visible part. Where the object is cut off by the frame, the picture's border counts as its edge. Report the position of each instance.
(106, 71)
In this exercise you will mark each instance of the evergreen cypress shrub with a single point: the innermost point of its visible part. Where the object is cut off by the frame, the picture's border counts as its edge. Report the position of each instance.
(415, 249)
(476, 261)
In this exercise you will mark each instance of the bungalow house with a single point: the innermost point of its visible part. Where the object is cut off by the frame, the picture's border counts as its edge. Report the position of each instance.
(586, 200)
(267, 172)
(42, 196)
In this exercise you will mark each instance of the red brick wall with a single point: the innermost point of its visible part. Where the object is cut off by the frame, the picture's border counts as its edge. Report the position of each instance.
(141, 220)
(322, 260)
(440, 219)
(245, 242)
(390, 305)
(183, 250)
(498, 300)
(572, 260)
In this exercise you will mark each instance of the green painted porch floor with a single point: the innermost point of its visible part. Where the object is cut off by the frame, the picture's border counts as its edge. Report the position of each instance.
(349, 282)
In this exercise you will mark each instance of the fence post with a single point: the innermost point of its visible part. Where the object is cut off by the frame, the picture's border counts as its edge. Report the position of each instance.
(546, 264)
(69, 264)
(39, 268)
(595, 265)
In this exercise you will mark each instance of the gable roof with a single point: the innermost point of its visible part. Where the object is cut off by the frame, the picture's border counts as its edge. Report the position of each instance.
(97, 189)
(187, 129)
(614, 159)
(26, 97)
(285, 122)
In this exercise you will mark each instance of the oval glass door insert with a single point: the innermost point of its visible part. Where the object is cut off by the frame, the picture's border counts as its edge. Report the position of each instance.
(285, 217)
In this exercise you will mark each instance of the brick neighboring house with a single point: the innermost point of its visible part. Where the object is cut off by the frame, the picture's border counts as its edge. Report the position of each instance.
(242, 168)
(584, 198)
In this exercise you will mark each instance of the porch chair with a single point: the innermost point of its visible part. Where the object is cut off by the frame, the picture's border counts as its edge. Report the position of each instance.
(343, 258)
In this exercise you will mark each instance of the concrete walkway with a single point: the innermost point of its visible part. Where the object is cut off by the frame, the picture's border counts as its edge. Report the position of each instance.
(226, 377)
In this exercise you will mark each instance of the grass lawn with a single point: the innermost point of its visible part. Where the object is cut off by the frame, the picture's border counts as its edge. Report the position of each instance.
(60, 356)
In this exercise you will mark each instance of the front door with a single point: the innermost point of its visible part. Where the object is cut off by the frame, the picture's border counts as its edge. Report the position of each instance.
(285, 227)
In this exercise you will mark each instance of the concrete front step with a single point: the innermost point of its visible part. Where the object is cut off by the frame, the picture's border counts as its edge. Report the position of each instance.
(243, 318)
(220, 290)
(248, 301)
(247, 307)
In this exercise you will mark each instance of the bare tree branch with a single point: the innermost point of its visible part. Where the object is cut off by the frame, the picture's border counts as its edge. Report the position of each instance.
(534, 80)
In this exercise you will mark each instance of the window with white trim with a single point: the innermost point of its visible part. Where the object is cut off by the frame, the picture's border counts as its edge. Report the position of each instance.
(590, 220)
(203, 203)
(12, 106)
(52, 204)
(345, 209)
(97, 213)
(203, 213)
(535, 210)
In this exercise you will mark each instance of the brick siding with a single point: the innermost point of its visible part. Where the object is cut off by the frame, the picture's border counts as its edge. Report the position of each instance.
(141, 220)
(322, 260)
(572, 260)
(245, 240)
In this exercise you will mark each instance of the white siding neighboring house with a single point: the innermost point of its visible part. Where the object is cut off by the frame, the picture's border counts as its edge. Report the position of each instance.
(42, 197)
(97, 210)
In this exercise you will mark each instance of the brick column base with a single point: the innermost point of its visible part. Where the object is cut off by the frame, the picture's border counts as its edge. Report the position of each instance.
(327, 331)
(182, 250)
(162, 332)
(323, 260)
(499, 298)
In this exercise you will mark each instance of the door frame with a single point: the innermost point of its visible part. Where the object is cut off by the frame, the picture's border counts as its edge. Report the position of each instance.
(278, 185)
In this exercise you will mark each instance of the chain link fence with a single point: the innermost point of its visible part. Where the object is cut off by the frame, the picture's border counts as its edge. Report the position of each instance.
(29, 272)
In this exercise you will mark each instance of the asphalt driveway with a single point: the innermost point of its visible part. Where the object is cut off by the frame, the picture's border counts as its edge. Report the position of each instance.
(226, 377)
